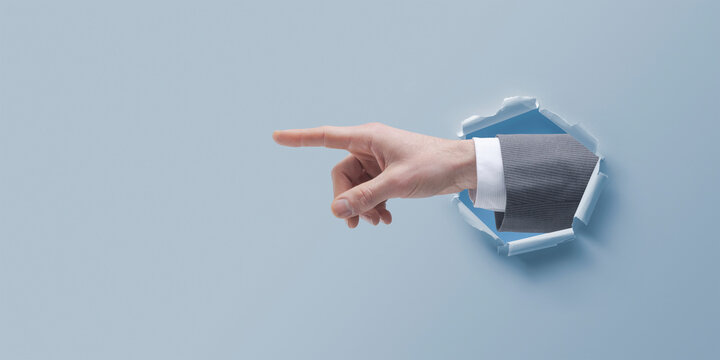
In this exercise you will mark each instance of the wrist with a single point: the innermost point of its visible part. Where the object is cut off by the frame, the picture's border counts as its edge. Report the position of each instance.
(465, 166)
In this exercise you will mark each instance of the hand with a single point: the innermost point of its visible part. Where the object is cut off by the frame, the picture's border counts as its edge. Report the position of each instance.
(384, 163)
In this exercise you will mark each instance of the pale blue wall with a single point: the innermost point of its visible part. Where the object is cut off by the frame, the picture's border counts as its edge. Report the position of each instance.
(145, 212)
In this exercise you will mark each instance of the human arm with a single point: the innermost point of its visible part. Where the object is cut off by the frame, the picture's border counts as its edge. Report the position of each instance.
(534, 183)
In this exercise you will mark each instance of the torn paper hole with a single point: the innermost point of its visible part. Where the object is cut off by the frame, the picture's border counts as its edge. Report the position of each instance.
(522, 115)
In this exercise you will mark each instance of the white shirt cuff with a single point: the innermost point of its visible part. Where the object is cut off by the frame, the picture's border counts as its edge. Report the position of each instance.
(490, 193)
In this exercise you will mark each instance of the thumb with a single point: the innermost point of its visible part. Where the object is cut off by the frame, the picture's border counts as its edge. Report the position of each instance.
(363, 197)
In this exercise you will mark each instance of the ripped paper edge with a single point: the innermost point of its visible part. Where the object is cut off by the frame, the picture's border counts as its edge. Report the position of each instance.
(512, 107)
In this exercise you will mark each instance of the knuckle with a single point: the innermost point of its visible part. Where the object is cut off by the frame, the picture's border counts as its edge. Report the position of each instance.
(335, 171)
(324, 130)
(364, 196)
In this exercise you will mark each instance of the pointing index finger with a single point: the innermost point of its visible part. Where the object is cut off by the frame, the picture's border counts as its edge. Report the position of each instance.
(335, 137)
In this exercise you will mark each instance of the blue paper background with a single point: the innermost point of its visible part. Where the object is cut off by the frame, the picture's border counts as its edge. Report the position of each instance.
(145, 212)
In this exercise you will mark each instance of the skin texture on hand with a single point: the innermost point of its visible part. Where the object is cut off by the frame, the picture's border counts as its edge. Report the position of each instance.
(385, 162)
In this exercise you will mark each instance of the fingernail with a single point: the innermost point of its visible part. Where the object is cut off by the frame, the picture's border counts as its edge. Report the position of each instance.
(342, 209)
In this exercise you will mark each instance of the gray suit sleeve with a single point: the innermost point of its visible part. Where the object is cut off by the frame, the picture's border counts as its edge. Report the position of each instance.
(545, 178)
